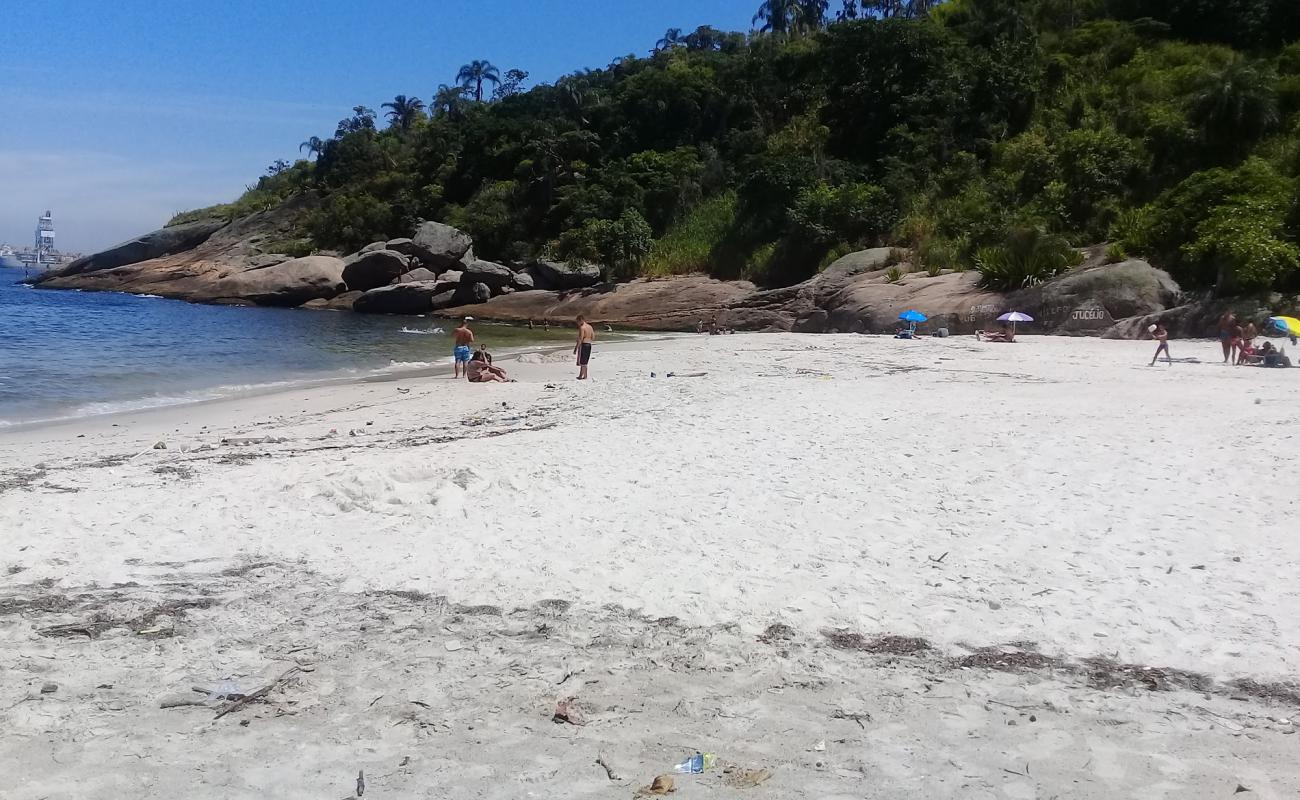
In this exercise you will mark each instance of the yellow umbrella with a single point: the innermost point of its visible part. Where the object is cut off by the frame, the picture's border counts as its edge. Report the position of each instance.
(1287, 325)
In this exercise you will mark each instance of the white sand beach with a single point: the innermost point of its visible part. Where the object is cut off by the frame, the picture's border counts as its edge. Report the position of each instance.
(1092, 561)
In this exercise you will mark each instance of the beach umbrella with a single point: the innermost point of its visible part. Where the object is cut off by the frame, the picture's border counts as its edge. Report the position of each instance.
(1289, 326)
(911, 315)
(1013, 317)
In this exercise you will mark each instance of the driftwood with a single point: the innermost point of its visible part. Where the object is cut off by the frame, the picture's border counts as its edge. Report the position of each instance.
(609, 771)
(258, 694)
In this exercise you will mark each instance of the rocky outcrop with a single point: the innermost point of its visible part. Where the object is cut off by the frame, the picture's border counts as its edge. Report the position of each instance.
(417, 274)
(670, 304)
(366, 271)
(400, 298)
(152, 245)
(1199, 318)
(494, 276)
(435, 270)
(562, 276)
(436, 246)
(855, 294)
(288, 284)
(204, 271)
(523, 282)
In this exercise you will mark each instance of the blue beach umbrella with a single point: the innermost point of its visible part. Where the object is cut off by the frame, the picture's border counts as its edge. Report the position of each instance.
(912, 315)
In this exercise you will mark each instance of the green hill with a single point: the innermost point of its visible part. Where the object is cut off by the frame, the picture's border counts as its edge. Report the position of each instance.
(966, 129)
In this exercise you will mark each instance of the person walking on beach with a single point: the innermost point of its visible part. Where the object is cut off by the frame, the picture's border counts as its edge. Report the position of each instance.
(1161, 335)
(586, 336)
(464, 338)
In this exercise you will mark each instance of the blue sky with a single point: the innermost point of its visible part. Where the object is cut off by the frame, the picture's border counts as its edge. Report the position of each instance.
(118, 113)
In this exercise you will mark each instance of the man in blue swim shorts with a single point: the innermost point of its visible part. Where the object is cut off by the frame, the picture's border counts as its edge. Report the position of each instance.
(464, 338)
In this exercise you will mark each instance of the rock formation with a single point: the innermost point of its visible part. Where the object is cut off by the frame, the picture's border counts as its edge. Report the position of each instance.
(435, 269)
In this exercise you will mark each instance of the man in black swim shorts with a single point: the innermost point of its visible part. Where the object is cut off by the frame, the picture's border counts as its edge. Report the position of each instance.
(586, 336)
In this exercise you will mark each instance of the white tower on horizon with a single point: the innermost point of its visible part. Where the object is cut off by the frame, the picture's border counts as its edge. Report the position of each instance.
(45, 240)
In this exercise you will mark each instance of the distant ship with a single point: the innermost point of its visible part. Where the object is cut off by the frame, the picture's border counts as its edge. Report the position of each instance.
(9, 258)
(41, 256)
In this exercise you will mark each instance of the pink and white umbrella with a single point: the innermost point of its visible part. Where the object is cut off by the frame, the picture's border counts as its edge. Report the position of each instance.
(1013, 317)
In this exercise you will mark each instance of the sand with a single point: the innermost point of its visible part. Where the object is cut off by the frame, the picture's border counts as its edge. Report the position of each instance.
(1090, 560)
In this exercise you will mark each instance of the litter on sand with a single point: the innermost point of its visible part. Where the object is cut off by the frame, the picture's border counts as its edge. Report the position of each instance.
(741, 778)
(661, 785)
(567, 710)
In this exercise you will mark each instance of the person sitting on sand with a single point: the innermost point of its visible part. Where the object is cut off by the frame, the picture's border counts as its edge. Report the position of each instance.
(1248, 334)
(1161, 335)
(483, 351)
(478, 370)
(1274, 357)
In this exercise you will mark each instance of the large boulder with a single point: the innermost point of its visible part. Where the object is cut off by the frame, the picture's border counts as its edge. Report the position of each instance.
(487, 272)
(342, 302)
(159, 243)
(288, 284)
(417, 274)
(523, 282)
(858, 294)
(563, 275)
(1199, 318)
(399, 298)
(436, 246)
(1091, 300)
(671, 304)
(443, 300)
(366, 271)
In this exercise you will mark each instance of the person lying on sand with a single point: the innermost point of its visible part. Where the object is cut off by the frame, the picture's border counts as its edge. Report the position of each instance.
(478, 370)
(1004, 335)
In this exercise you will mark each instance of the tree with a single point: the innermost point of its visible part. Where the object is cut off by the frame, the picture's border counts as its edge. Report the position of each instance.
(404, 111)
(510, 85)
(1028, 257)
(314, 146)
(705, 37)
(1235, 106)
(448, 101)
(786, 17)
(473, 75)
(672, 38)
(885, 9)
(362, 119)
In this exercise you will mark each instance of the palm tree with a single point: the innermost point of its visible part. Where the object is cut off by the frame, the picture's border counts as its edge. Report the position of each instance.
(448, 100)
(672, 38)
(403, 110)
(475, 73)
(1235, 106)
(785, 17)
(705, 37)
(314, 146)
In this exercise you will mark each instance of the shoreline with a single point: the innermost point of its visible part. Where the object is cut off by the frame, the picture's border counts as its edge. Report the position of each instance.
(391, 373)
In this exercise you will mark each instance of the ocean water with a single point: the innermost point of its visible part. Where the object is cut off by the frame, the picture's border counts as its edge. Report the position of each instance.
(67, 353)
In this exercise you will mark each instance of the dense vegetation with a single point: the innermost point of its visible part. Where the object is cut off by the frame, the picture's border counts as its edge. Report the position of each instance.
(982, 133)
